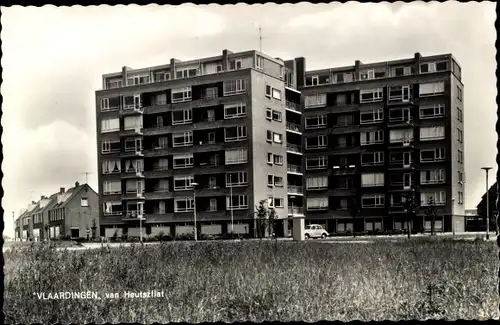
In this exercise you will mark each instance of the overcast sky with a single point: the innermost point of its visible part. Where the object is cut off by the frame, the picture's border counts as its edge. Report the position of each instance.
(53, 59)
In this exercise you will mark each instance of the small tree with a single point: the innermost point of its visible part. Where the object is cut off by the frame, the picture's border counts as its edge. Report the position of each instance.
(410, 205)
(271, 219)
(354, 212)
(261, 212)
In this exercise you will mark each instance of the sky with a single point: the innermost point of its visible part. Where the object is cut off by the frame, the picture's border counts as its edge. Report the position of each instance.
(54, 57)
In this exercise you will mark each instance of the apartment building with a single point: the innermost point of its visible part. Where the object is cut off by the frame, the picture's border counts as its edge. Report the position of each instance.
(67, 213)
(205, 138)
(211, 138)
(373, 133)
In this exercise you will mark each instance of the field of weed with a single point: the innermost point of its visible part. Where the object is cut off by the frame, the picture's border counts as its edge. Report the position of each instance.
(256, 281)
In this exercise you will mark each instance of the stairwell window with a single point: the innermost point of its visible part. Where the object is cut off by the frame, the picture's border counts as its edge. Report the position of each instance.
(234, 87)
(431, 89)
(181, 95)
(312, 101)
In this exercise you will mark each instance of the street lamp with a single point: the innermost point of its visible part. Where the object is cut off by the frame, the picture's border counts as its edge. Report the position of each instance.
(487, 169)
(193, 184)
(231, 201)
(291, 199)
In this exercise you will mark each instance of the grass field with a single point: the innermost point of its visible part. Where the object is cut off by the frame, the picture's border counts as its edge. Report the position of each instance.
(256, 281)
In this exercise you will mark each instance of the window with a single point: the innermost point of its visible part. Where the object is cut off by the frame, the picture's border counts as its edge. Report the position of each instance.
(112, 208)
(268, 91)
(276, 94)
(278, 138)
(162, 143)
(137, 80)
(162, 186)
(319, 203)
(159, 99)
(84, 202)
(372, 159)
(459, 115)
(278, 160)
(132, 166)
(428, 67)
(371, 95)
(161, 76)
(374, 116)
(367, 74)
(278, 181)
(235, 64)
(316, 122)
(113, 83)
(436, 197)
(431, 89)
(373, 200)
(259, 62)
(235, 179)
(320, 162)
(111, 166)
(182, 117)
(460, 136)
(181, 95)
(318, 100)
(372, 179)
(235, 111)
(110, 104)
(269, 158)
(110, 146)
(316, 142)
(270, 180)
(112, 187)
(237, 202)
(184, 204)
(186, 73)
(372, 137)
(234, 87)
(404, 135)
(431, 155)
(183, 183)
(459, 93)
(110, 125)
(431, 111)
(460, 156)
(432, 133)
(400, 71)
(432, 176)
(235, 133)
(132, 122)
(317, 183)
(277, 116)
(399, 93)
(182, 139)
(236, 156)
(183, 161)
(441, 66)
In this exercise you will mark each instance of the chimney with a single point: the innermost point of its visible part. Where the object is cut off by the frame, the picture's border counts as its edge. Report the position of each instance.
(62, 190)
(77, 184)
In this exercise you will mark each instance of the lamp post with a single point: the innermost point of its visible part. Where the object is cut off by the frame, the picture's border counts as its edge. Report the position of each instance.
(231, 201)
(194, 210)
(487, 169)
(291, 198)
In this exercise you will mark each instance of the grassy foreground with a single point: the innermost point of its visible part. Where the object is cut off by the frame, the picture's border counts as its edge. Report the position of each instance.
(256, 281)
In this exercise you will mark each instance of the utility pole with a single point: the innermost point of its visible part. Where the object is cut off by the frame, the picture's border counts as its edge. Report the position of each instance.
(487, 169)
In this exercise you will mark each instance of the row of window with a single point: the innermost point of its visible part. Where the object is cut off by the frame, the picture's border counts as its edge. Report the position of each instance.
(378, 201)
(377, 158)
(375, 73)
(273, 180)
(394, 93)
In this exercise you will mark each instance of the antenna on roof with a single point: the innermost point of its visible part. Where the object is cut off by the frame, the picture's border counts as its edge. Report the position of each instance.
(260, 38)
(86, 177)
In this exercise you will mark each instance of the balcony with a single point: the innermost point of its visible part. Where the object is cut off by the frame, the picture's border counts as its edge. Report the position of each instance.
(343, 192)
(132, 153)
(292, 127)
(132, 111)
(400, 122)
(399, 164)
(133, 196)
(157, 130)
(401, 186)
(159, 195)
(132, 173)
(344, 170)
(293, 148)
(295, 190)
(295, 211)
(131, 132)
(157, 152)
(293, 106)
(401, 143)
(133, 215)
(208, 101)
(294, 169)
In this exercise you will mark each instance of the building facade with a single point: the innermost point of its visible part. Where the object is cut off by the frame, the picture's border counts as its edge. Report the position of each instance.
(66, 214)
(211, 138)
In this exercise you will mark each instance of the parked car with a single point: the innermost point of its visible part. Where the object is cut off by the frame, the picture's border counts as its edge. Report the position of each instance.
(315, 231)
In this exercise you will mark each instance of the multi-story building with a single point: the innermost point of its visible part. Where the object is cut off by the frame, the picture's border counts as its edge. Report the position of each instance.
(211, 138)
(66, 213)
(373, 133)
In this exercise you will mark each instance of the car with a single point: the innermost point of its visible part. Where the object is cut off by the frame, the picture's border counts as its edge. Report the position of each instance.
(315, 231)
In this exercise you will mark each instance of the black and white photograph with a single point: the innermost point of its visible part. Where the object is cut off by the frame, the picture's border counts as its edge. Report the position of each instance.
(250, 162)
